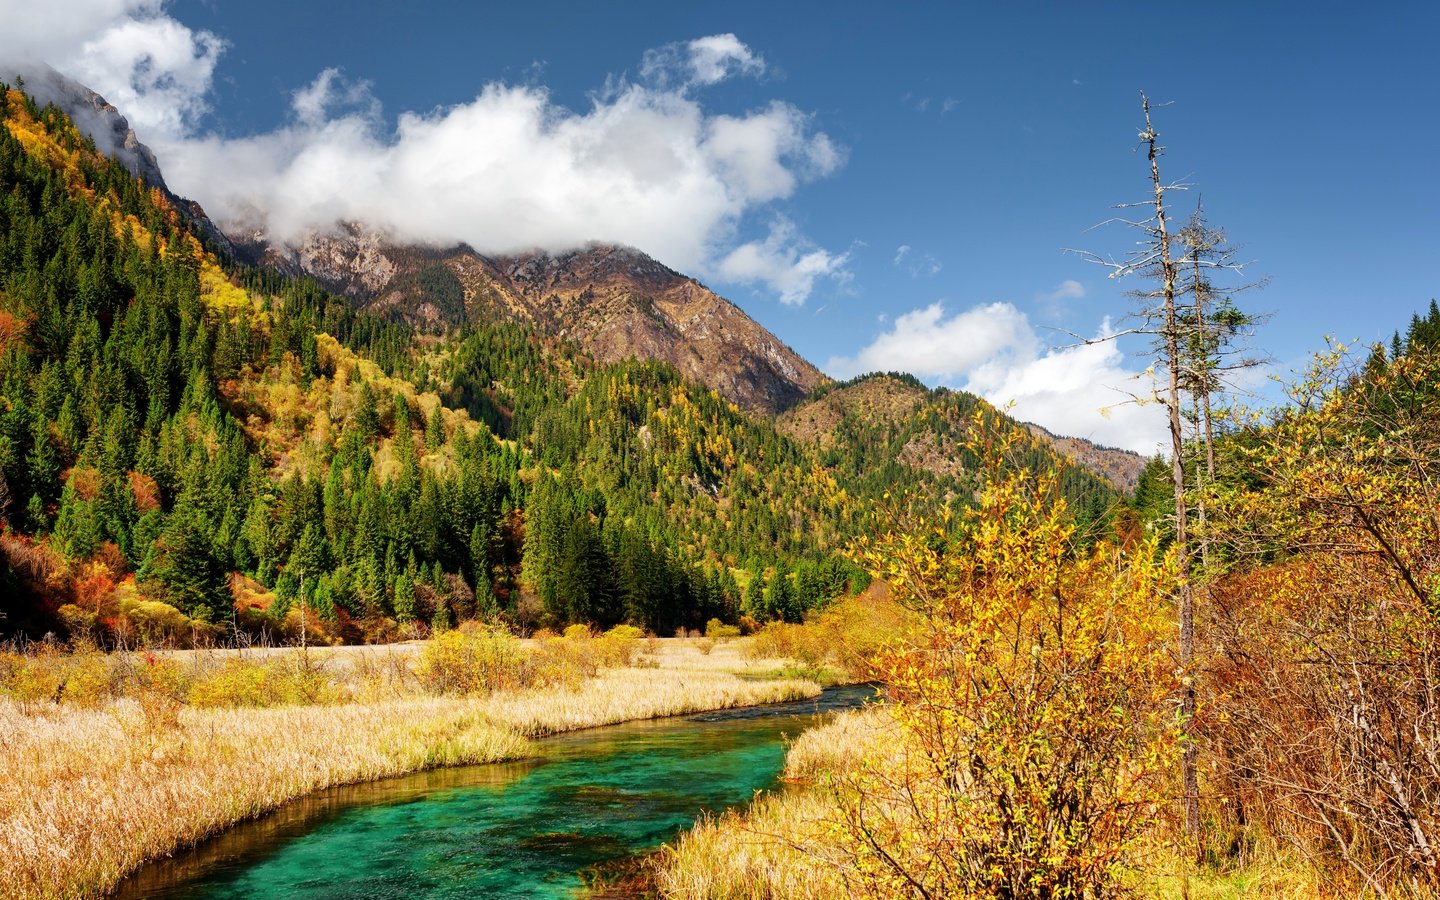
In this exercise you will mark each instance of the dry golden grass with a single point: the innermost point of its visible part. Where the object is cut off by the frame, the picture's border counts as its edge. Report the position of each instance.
(86, 795)
(837, 745)
(622, 695)
(782, 846)
(89, 792)
(774, 850)
(785, 844)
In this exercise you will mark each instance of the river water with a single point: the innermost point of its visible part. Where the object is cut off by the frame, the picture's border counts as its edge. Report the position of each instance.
(536, 828)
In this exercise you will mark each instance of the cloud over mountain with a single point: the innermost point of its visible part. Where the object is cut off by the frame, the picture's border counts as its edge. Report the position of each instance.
(645, 164)
(1084, 390)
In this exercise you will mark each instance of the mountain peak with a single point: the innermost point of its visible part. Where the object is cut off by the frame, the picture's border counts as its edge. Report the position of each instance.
(94, 116)
(615, 301)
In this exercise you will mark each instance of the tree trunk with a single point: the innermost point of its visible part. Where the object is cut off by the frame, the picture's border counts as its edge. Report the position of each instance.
(1168, 273)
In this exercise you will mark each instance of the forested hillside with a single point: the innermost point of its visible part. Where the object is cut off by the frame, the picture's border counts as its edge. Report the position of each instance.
(190, 446)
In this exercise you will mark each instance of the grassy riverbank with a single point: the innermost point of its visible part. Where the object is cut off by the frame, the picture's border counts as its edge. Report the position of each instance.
(789, 843)
(112, 761)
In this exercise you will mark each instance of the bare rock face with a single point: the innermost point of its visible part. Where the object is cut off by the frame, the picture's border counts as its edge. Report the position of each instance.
(112, 134)
(614, 302)
(94, 116)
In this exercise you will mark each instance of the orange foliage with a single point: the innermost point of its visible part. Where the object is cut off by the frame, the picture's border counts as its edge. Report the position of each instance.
(95, 589)
(145, 491)
(85, 481)
(1035, 737)
(10, 328)
(1327, 663)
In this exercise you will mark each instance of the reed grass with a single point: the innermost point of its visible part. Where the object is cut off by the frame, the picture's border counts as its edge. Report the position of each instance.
(87, 795)
(128, 769)
(775, 849)
(623, 695)
(787, 844)
(784, 845)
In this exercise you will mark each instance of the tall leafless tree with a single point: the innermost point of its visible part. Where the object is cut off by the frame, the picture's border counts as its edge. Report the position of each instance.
(1159, 315)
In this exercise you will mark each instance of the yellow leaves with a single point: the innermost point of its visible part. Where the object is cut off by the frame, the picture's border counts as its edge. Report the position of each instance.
(1031, 711)
(217, 292)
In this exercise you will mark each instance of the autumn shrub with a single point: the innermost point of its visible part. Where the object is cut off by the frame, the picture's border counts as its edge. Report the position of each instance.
(1326, 654)
(843, 636)
(288, 680)
(47, 672)
(474, 659)
(159, 685)
(786, 640)
(619, 646)
(566, 659)
(383, 673)
(318, 630)
(155, 623)
(720, 631)
(1034, 740)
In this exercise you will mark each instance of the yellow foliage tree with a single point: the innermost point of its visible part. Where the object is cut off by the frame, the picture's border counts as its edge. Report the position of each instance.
(1035, 710)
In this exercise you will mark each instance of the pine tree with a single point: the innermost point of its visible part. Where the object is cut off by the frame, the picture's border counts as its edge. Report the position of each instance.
(190, 572)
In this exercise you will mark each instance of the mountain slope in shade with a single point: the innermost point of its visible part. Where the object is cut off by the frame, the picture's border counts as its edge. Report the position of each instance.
(99, 120)
(614, 302)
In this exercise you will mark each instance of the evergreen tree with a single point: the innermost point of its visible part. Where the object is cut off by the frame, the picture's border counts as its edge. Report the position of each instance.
(190, 571)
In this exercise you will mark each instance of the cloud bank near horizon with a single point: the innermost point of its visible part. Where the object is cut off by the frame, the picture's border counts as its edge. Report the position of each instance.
(646, 164)
(1083, 390)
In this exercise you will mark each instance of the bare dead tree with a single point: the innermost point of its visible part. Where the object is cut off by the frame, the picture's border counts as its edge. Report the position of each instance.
(1158, 315)
(1212, 347)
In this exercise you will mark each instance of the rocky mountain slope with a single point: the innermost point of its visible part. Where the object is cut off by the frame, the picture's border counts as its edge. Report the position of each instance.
(1122, 467)
(108, 128)
(614, 302)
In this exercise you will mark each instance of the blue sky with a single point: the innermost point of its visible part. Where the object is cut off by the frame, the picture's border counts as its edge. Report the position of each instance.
(883, 186)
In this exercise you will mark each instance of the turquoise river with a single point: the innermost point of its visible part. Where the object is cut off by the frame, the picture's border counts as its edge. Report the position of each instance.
(539, 828)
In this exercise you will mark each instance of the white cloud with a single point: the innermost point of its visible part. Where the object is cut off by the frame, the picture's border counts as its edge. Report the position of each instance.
(511, 171)
(1069, 289)
(992, 350)
(924, 264)
(784, 262)
(700, 63)
(646, 164)
(153, 68)
(718, 56)
(329, 92)
(763, 154)
(927, 343)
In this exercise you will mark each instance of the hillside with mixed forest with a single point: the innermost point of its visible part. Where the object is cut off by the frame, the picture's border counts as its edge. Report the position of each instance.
(192, 445)
(614, 302)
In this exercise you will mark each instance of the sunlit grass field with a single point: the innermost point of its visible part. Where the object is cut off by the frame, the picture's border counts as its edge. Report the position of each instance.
(112, 760)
